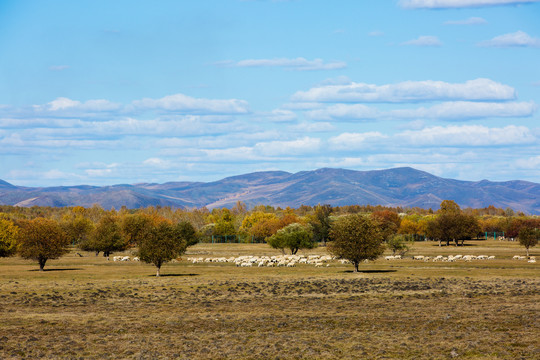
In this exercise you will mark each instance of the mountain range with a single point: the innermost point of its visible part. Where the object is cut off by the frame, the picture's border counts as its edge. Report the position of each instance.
(405, 187)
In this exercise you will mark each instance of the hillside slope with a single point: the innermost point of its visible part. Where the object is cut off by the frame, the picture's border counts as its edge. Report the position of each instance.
(404, 187)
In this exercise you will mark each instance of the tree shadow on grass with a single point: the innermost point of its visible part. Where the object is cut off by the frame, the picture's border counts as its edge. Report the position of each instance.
(453, 245)
(369, 271)
(173, 275)
(46, 270)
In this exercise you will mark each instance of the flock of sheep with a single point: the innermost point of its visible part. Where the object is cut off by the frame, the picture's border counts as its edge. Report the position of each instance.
(319, 260)
(269, 261)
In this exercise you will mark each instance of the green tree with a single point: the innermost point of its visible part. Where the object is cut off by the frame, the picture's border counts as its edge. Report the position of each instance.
(165, 241)
(225, 224)
(134, 227)
(321, 222)
(8, 237)
(107, 237)
(400, 244)
(452, 225)
(293, 237)
(356, 238)
(528, 237)
(42, 239)
(77, 227)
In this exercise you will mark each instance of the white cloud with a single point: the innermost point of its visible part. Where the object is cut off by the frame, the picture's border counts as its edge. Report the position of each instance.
(288, 148)
(531, 163)
(445, 4)
(464, 110)
(309, 127)
(279, 115)
(63, 103)
(157, 163)
(102, 170)
(453, 110)
(299, 63)
(469, 21)
(354, 141)
(424, 40)
(408, 91)
(468, 135)
(343, 112)
(186, 104)
(517, 39)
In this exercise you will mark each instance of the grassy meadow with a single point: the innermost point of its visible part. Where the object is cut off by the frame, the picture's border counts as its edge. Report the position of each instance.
(90, 308)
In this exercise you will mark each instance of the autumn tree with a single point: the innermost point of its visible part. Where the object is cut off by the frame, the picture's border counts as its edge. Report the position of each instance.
(166, 241)
(8, 237)
(77, 227)
(42, 239)
(106, 237)
(356, 238)
(260, 225)
(293, 237)
(452, 225)
(389, 222)
(224, 222)
(528, 237)
(134, 227)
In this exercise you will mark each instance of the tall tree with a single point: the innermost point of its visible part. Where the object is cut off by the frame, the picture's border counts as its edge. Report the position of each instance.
(166, 241)
(77, 227)
(106, 237)
(528, 237)
(42, 239)
(451, 225)
(8, 237)
(293, 237)
(356, 238)
(321, 222)
(389, 222)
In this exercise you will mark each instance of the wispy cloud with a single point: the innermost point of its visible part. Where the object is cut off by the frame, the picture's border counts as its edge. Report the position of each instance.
(448, 4)
(355, 141)
(408, 91)
(186, 104)
(465, 110)
(279, 115)
(344, 112)
(375, 33)
(424, 40)
(517, 39)
(58, 67)
(449, 111)
(469, 21)
(469, 136)
(300, 64)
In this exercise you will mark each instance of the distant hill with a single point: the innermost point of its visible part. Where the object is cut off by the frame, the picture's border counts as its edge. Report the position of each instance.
(405, 187)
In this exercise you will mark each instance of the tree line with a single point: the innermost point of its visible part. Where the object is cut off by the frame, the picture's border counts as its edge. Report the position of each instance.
(160, 234)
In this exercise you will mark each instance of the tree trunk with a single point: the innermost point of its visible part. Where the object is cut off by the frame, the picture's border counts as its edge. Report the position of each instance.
(527, 252)
(440, 243)
(356, 267)
(157, 273)
(42, 262)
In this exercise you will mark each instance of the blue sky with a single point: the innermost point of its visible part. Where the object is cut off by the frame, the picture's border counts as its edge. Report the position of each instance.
(106, 92)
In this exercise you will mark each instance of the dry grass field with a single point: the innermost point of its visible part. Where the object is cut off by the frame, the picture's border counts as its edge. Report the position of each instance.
(91, 308)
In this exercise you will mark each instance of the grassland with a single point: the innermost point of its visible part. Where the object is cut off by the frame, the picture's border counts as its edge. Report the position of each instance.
(86, 307)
